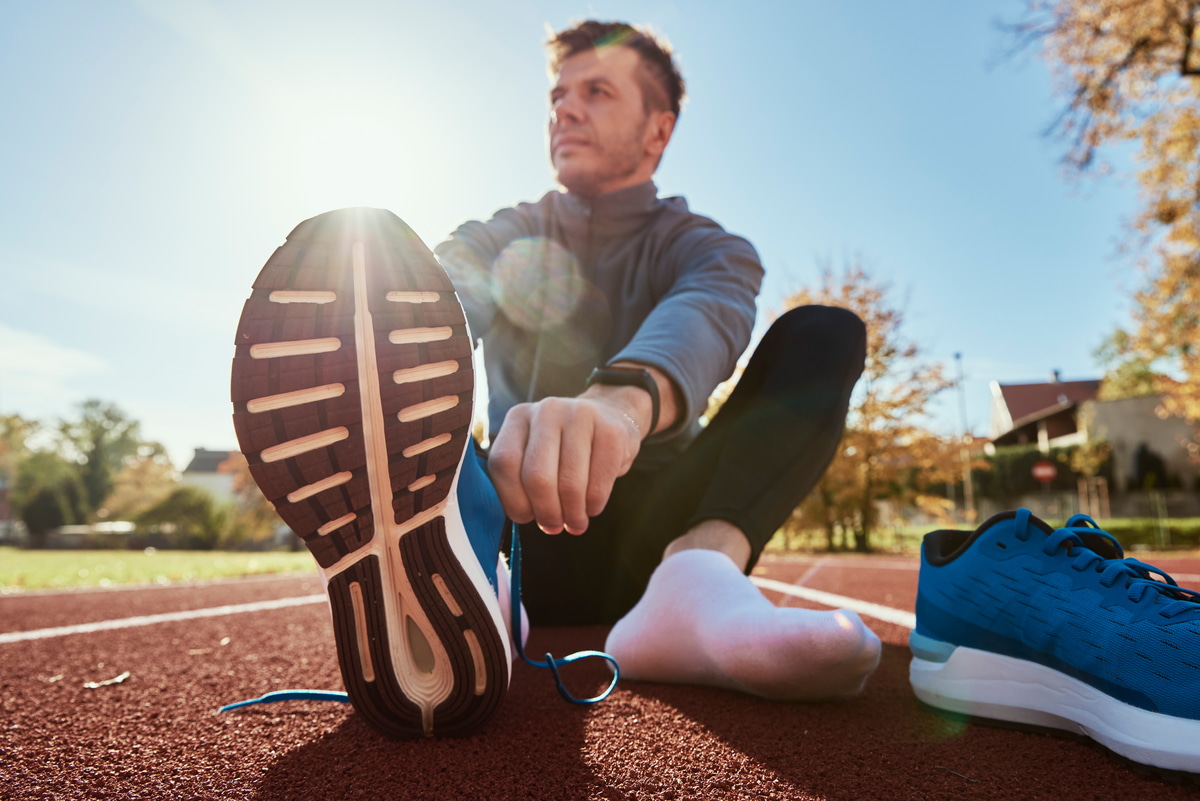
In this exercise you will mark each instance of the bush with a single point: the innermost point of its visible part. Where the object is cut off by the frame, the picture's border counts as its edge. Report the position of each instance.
(1182, 532)
(189, 518)
(1011, 473)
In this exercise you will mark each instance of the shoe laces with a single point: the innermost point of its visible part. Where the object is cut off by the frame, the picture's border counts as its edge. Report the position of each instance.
(515, 594)
(550, 662)
(1138, 577)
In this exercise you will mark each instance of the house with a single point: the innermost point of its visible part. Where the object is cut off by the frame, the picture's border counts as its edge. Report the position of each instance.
(1149, 449)
(1045, 414)
(204, 471)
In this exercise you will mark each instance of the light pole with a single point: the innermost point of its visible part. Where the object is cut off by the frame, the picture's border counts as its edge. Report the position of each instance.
(967, 441)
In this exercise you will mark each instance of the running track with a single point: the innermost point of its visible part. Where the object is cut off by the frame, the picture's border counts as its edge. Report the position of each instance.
(156, 735)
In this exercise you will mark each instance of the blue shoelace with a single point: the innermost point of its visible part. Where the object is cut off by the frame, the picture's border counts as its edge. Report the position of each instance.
(515, 595)
(551, 663)
(1137, 575)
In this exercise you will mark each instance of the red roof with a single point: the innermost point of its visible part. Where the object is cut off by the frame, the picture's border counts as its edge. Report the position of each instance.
(1026, 400)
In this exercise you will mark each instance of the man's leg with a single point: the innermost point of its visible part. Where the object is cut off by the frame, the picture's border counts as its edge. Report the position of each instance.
(700, 620)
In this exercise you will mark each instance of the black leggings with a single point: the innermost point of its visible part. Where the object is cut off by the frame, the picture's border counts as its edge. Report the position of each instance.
(757, 460)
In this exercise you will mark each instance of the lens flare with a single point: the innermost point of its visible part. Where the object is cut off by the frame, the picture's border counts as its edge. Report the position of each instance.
(537, 283)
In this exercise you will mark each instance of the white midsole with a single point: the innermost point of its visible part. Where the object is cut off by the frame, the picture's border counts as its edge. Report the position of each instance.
(990, 685)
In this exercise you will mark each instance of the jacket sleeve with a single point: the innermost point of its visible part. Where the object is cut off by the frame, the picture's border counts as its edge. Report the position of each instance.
(702, 325)
(468, 254)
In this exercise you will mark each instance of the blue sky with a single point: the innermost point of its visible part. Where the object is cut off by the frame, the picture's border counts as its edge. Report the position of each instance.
(153, 154)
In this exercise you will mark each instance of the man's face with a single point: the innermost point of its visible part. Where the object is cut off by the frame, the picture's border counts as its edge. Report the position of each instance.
(601, 137)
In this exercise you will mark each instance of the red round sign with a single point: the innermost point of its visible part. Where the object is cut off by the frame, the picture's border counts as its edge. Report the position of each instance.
(1044, 471)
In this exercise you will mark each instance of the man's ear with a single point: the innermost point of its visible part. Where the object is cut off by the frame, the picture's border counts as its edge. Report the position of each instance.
(658, 132)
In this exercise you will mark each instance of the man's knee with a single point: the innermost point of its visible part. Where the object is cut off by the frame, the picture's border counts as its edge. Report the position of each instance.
(837, 332)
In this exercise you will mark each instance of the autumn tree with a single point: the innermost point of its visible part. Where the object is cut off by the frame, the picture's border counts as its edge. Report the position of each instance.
(1126, 374)
(254, 518)
(15, 432)
(189, 517)
(102, 440)
(146, 479)
(885, 452)
(1129, 72)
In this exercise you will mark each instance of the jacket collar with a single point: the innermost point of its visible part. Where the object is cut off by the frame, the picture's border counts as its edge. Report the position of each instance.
(613, 214)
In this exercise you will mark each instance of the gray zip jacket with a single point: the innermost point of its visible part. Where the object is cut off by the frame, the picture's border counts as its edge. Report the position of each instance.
(560, 286)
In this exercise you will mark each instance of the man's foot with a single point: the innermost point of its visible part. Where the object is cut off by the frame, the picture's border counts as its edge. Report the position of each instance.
(1054, 628)
(352, 390)
(701, 621)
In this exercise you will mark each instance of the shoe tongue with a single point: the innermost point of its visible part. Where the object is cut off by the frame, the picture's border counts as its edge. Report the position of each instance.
(1106, 547)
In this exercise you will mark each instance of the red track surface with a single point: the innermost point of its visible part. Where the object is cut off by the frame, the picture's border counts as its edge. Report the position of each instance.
(157, 735)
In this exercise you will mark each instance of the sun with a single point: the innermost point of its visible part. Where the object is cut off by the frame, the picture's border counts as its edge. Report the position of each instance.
(348, 150)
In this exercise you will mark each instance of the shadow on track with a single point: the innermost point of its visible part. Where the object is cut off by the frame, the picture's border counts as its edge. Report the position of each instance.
(884, 744)
(665, 741)
(532, 748)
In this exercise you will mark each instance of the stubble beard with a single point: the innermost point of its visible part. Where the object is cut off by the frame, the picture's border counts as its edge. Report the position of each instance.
(611, 165)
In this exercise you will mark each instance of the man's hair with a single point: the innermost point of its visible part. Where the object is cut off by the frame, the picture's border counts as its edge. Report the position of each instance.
(661, 83)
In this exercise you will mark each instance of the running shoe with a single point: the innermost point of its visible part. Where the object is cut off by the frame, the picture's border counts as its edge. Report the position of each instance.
(353, 390)
(1021, 623)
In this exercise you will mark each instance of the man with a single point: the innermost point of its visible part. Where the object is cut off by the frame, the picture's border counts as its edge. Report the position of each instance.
(607, 317)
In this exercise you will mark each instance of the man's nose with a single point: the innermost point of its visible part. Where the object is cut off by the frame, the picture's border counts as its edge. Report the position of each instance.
(565, 110)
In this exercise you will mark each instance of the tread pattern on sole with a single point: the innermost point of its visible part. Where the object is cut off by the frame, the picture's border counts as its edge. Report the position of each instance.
(306, 293)
(382, 703)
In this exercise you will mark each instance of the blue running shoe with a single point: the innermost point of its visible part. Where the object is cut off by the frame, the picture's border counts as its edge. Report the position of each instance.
(353, 389)
(1018, 622)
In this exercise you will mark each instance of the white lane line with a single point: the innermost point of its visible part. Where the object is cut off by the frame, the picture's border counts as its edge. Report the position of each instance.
(166, 617)
(865, 563)
(885, 613)
(812, 571)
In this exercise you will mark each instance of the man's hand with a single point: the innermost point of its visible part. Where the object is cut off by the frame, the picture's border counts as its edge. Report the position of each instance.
(555, 461)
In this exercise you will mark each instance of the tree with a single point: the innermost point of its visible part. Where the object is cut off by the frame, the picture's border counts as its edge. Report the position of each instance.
(102, 440)
(254, 518)
(1130, 72)
(189, 517)
(885, 453)
(1092, 455)
(145, 480)
(48, 494)
(1127, 374)
(15, 432)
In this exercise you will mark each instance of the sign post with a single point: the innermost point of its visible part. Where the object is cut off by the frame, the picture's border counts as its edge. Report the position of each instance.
(1045, 472)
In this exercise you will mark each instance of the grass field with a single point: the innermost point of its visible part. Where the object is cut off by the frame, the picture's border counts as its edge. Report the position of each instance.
(29, 570)
(1134, 533)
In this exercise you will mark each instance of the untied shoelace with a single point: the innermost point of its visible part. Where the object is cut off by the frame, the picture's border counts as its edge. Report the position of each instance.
(515, 594)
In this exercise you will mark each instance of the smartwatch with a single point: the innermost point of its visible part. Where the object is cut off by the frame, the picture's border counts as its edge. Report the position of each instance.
(629, 377)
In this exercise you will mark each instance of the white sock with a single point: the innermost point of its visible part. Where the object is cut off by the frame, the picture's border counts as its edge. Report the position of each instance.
(701, 621)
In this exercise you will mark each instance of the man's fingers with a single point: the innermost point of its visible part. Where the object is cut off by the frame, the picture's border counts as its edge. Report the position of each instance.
(505, 460)
(539, 471)
(610, 459)
(555, 461)
(574, 471)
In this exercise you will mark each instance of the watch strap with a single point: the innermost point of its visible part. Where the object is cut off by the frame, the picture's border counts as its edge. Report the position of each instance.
(622, 376)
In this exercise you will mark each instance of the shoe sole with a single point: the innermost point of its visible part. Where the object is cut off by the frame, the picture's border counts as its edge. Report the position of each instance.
(353, 389)
(992, 686)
